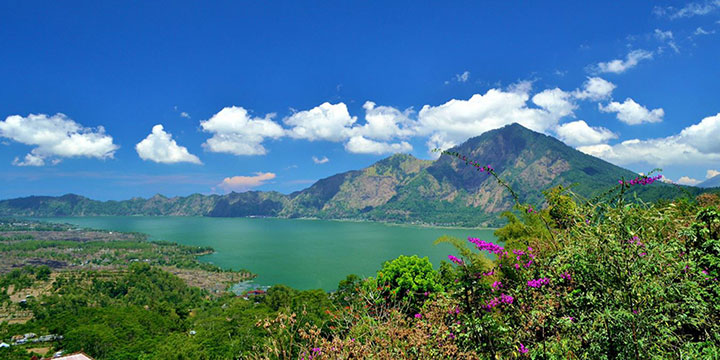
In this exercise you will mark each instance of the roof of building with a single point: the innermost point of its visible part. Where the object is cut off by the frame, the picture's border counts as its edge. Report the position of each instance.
(74, 356)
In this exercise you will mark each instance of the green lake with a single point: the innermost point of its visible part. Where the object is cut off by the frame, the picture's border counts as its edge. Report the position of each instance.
(304, 254)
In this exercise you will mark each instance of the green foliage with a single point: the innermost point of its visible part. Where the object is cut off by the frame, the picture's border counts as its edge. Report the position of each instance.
(562, 208)
(348, 290)
(408, 278)
(633, 281)
(279, 296)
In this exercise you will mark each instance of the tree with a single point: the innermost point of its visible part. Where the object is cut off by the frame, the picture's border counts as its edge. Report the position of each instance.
(409, 278)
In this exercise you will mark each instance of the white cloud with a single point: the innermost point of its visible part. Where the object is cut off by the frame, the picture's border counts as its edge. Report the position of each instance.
(711, 173)
(324, 122)
(689, 10)
(334, 123)
(595, 88)
(663, 35)
(160, 147)
(464, 77)
(666, 36)
(30, 160)
(674, 46)
(686, 180)
(704, 136)
(633, 113)
(656, 152)
(56, 137)
(455, 121)
(243, 183)
(383, 123)
(322, 160)
(578, 133)
(696, 144)
(555, 101)
(185, 115)
(701, 31)
(619, 66)
(236, 132)
(362, 145)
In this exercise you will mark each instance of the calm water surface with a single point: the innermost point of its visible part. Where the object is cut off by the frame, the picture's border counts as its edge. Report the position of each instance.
(304, 254)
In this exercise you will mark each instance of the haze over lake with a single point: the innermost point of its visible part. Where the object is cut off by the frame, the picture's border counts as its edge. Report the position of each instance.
(304, 254)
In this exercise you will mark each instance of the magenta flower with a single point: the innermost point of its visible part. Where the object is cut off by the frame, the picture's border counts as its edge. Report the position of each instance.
(487, 246)
(506, 299)
(418, 316)
(642, 180)
(538, 283)
(492, 303)
(522, 349)
(456, 260)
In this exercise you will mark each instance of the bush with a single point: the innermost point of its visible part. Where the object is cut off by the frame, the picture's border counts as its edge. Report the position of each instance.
(408, 280)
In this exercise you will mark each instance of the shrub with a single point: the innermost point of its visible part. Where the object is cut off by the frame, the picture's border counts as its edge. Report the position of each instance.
(408, 280)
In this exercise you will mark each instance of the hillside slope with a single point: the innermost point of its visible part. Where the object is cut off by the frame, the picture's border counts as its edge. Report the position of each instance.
(400, 188)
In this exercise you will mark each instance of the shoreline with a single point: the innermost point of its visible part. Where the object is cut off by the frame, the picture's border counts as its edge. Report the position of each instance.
(420, 225)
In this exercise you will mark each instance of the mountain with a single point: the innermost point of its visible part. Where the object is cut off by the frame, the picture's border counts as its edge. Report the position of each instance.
(710, 183)
(400, 188)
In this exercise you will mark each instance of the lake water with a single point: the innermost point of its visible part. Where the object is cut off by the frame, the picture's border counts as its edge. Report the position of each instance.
(304, 254)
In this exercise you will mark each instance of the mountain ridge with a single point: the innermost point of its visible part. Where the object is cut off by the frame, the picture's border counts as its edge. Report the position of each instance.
(710, 183)
(400, 188)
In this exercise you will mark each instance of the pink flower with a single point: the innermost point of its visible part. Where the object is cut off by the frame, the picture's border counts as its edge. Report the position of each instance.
(456, 260)
(522, 349)
(538, 283)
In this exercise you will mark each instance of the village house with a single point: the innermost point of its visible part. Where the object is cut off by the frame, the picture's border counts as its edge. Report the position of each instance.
(73, 356)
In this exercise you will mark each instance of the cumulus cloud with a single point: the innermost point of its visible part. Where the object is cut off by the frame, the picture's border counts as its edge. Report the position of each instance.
(236, 132)
(696, 144)
(56, 137)
(619, 66)
(243, 183)
(686, 180)
(455, 121)
(704, 135)
(555, 101)
(579, 133)
(322, 160)
(324, 122)
(362, 145)
(464, 77)
(185, 115)
(160, 147)
(633, 113)
(383, 123)
(657, 152)
(332, 122)
(595, 88)
(711, 173)
(30, 160)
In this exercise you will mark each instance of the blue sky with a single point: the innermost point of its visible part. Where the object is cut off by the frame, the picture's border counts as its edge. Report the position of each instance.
(275, 95)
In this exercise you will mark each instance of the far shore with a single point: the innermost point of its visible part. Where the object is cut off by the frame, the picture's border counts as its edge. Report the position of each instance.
(422, 225)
